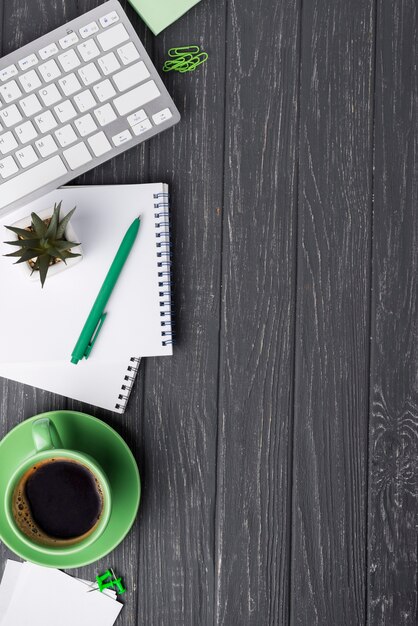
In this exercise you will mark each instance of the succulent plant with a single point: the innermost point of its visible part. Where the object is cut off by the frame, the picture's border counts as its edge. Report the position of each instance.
(43, 243)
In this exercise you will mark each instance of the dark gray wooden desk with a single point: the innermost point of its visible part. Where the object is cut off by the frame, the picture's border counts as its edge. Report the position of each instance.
(279, 446)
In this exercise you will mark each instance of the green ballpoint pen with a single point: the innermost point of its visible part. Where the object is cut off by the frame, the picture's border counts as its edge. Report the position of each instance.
(97, 315)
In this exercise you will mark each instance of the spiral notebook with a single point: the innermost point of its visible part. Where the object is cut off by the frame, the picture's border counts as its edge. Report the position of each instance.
(38, 328)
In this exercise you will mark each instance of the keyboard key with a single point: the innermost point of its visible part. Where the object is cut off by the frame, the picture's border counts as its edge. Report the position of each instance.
(137, 117)
(69, 60)
(10, 91)
(98, 143)
(89, 74)
(104, 90)
(28, 62)
(142, 127)
(26, 132)
(70, 84)
(88, 50)
(77, 156)
(162, 116)
(26, 156)
(48, 51)
(85, 101)
(31, 180)
(10, 115)
(8, 72)
(45, 121)
(46, 146)
(30, 81)
(136, 98)
(65, 111)
(50, 95)
(66, 135)
(131, 76)
(108, 63)
(49, 71)
(128, 53)
(109, 19)
(113, 37)
(121, 138)
(7, 142)
(8, 167)
(30, 105)
(69, 40)
(105, 115)
(88, 30)
(85, 125)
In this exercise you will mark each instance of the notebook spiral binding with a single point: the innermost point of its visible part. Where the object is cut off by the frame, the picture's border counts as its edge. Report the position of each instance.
(162, 235)
(129, 379)
(164, 263)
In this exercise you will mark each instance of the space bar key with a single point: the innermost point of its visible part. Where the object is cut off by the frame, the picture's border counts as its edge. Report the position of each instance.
(31, 180)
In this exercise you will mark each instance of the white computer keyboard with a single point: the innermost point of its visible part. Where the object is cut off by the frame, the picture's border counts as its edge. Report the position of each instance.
(74, 98)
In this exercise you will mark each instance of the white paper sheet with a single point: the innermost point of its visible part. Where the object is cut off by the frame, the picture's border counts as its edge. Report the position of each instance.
(46, 597)
(11, 574)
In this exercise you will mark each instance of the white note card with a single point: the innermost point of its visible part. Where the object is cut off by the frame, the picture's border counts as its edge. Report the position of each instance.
(44, 596)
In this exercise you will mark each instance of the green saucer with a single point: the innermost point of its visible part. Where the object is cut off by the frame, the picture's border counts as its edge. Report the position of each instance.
(77, 431)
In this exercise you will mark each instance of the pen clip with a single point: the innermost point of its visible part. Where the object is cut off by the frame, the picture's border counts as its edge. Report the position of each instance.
(94, 336)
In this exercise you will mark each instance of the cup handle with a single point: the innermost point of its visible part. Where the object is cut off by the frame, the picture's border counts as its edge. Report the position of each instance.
(45, 436)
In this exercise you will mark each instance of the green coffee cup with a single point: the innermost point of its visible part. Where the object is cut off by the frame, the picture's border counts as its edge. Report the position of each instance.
(58, 501)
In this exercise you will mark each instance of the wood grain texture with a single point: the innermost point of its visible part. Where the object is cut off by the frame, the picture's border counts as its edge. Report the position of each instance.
(176, 565)
(393, 501)
(253, 439)
(258, 295)
(332, 337)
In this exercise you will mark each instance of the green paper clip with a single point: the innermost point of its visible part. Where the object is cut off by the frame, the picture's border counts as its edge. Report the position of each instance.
(180, 51)
(175, 64)
(195, 62)
(185, 59)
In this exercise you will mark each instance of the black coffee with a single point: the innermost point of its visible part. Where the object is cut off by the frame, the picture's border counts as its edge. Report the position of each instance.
(58, 502)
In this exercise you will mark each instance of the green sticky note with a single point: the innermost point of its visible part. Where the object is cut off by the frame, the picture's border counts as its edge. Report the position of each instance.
(158, 14)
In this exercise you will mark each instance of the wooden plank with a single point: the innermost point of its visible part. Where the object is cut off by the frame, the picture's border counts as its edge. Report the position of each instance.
(332, 329)
(1, 29)
(176, 564)
(258, 295)
(393, 480)
(26, 20)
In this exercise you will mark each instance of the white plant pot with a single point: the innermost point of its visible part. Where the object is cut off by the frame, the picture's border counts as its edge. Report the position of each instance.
(70, 235)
